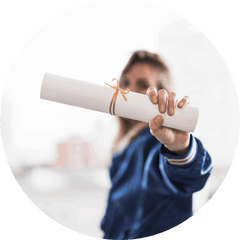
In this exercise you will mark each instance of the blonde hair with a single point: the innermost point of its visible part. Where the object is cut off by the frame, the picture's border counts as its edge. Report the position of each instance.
(153, 60)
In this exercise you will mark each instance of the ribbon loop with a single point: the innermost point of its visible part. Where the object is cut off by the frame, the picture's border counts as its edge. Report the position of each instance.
(115, 95)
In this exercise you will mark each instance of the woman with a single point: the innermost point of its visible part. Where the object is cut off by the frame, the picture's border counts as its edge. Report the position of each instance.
(155, 170)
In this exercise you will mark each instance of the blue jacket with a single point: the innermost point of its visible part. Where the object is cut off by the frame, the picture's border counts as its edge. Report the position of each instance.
(152, 187)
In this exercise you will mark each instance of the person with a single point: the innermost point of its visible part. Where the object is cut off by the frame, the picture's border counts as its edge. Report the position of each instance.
(154, 169)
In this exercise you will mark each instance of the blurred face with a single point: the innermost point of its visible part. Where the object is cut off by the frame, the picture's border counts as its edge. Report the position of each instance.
(140, 77)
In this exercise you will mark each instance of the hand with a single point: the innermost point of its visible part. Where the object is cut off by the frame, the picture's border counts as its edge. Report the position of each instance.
(174, 140)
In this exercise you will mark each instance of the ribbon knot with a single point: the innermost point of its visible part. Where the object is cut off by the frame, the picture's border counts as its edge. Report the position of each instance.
(115, 95)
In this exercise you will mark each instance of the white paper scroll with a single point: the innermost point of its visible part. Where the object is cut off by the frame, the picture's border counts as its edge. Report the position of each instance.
(97, 97)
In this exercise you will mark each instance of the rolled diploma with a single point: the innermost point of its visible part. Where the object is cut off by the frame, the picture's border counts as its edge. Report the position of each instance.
(97, 97)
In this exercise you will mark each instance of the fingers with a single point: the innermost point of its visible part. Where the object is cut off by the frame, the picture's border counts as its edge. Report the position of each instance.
(185, 101)
(155, 126)
(166, 102)
(172, 103)
(152, 93)
(156, 123)
(163, 134)
(169, 137)
(162, 100)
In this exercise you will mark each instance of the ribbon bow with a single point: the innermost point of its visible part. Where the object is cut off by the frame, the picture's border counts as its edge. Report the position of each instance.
(115, 95)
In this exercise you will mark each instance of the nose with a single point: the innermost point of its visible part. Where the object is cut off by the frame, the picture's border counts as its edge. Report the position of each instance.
(136, 89)
(132, 88)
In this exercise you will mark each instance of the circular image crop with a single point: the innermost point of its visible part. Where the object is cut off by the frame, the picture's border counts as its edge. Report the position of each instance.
(109, 176)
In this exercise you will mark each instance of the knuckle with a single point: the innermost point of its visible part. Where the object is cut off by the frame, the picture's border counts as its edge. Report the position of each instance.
(160, 119)
(163, 131)
(173, 95)
(162, 94)
(171, 102)
(151, 90)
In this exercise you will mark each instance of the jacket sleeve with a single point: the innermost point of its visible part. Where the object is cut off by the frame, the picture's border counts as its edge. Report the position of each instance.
(170, 173)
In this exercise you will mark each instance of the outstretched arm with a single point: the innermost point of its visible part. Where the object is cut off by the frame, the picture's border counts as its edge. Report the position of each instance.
(183, 163)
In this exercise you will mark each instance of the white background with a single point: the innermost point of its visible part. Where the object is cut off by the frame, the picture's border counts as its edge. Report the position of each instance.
(93, 43)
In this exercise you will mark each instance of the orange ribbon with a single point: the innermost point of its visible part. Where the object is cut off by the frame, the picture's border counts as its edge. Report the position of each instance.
(115, 95)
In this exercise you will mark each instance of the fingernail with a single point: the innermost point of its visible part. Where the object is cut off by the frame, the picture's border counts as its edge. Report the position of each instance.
(181, 104)
(171, 110)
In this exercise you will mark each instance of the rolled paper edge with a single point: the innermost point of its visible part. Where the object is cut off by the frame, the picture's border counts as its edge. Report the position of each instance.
(56, 88)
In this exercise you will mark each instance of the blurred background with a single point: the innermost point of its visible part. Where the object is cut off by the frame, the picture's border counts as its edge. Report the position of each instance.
(60, 154)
